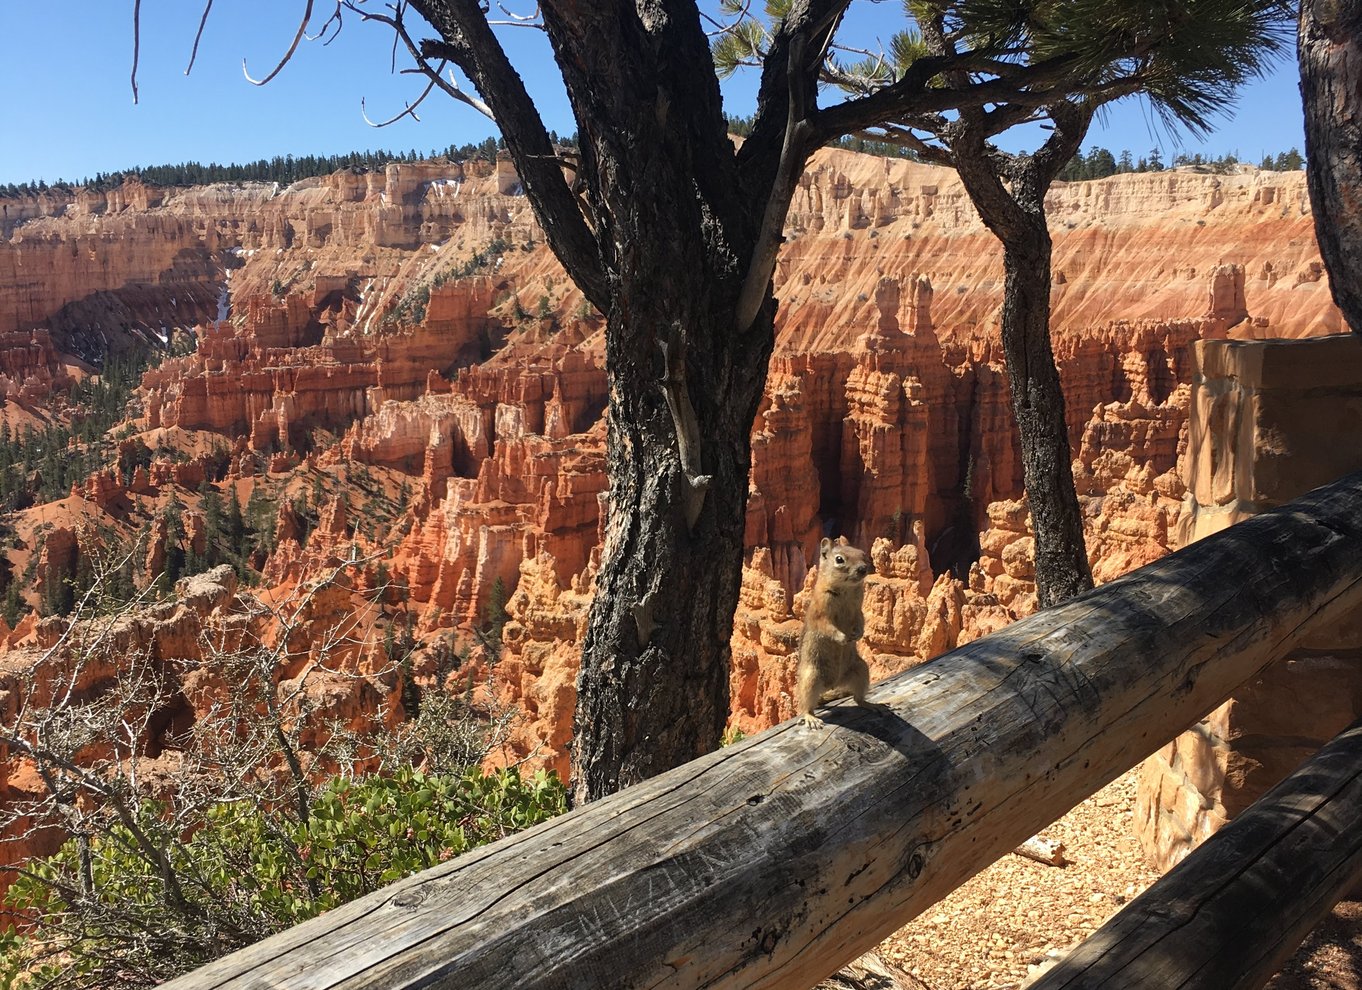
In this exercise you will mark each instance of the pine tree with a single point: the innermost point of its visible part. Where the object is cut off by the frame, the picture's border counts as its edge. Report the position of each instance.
(210, 502)
(1101, 163)
(1290, 161)
(121, 589)
(496, 606)
(234, 527)
(14, 607)
(175, 558)
(1189, 67)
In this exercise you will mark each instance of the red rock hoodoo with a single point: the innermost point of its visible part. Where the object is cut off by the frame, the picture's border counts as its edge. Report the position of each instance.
(386, 326)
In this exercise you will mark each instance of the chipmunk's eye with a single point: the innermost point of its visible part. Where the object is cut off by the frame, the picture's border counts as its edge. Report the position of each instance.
(840, 559)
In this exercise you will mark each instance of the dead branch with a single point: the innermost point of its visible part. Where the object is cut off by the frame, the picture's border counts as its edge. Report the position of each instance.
(339, 22)
(302, 30)
(198, 36)
(1047, 852)
(449, 88)
(687, 428)
(799, 141)
(410, 110)
(519, 20)
(136, 43)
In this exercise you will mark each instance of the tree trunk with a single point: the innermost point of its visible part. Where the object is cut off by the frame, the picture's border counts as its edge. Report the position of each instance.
(1016, 214)
(1330, 50)
(684, 383)
(659, 241)
(653, 690)
(1062, 569)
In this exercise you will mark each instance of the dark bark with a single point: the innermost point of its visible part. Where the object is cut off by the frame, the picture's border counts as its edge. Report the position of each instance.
(1016, 214)
(684, 387)
(1062, 569)
(653, 691)
(1330, 51)
(672, 227)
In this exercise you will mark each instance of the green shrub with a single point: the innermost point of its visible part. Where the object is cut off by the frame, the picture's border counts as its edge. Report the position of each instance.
(106, 913)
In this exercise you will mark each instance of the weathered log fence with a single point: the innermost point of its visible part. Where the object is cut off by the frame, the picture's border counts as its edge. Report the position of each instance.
(1233, 911)
(775, 861)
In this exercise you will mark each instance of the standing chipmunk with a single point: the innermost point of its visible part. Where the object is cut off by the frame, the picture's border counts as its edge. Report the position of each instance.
(830, 665)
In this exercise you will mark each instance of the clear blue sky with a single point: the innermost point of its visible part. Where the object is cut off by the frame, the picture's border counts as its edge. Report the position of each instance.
(69, 110)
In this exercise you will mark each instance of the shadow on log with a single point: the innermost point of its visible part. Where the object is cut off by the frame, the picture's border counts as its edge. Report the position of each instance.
(774, 861)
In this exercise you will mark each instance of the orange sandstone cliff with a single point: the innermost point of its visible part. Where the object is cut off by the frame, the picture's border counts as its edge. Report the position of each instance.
(407, 330)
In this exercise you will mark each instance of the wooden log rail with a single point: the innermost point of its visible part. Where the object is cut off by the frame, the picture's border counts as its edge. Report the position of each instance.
(773, 862)
(1232, 912)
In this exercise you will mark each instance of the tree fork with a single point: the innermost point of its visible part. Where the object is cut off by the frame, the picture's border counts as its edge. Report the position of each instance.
(1016, 215)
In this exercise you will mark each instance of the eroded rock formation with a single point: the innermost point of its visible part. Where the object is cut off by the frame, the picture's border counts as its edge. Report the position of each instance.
(1269, 421)
(411, 325)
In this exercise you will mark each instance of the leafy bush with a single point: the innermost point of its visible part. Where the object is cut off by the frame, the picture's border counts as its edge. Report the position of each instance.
(105, 913)
(189, 841)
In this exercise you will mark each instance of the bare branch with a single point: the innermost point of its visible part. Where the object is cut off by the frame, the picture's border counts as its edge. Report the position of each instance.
(410, 111)
(469, 42)
(449, 87)
(799, 141)
(397, 21)
(905, 138)
(136, 43)
(339, 22)
(520, 20)
(720, 27)
(302, 30)
(198, 36)
(911, 94)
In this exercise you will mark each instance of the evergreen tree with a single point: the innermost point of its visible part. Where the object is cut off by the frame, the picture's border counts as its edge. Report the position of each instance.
(175, 557)
(121, 589)
(262, 519)
(210, 503)
(1189, 72)
(235, 524)
(1101, 163)
(496, 614)
(14, 608)
(58, 596)
(1290, 161)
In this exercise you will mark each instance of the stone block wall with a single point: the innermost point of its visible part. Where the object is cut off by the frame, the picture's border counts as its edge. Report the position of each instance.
(1270, 420)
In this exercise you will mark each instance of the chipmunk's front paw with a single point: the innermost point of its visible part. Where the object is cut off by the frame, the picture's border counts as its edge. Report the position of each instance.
(812, 721)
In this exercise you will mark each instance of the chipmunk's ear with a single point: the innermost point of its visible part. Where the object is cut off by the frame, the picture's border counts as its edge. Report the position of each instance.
(842, 541)
(824, 545)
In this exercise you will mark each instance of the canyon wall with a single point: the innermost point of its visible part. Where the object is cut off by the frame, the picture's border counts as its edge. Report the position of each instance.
(134, 262)
(412, 325)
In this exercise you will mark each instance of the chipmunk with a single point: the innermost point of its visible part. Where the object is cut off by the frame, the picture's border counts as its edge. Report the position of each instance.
(830, 665)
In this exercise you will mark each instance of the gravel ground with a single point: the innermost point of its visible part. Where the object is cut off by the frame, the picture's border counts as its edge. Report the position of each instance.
(999, 928)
